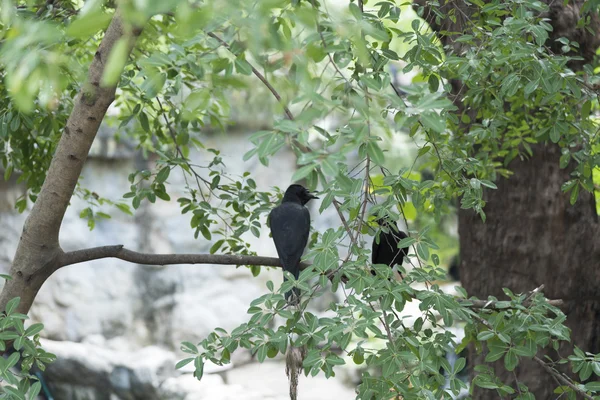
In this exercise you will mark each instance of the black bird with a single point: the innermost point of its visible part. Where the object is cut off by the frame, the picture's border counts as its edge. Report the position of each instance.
(387, 251)
(453, 270)
(290, 225)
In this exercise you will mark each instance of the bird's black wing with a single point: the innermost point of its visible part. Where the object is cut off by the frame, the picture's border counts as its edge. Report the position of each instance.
(290, 226)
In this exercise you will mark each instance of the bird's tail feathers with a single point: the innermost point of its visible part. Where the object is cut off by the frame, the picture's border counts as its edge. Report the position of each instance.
(294, 356)
(292, 296)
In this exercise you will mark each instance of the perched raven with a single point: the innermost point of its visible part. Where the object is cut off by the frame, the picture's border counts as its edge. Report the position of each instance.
(290, 225)
(453, 269)
(387, 251)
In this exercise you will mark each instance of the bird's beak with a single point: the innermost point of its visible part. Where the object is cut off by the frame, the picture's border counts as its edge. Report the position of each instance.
(312, 196)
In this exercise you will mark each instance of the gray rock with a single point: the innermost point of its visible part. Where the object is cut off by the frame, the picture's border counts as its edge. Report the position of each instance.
(95, 372)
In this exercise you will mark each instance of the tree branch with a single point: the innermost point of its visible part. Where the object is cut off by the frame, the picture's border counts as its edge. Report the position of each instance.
(120, 252)
(260, 76)
(492, 305)
(561, 378)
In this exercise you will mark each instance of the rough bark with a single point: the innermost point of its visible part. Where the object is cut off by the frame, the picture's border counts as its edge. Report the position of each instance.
(532, 235)
(38, 251)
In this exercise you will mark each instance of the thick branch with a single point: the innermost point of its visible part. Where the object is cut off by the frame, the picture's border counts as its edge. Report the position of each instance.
(120, 252)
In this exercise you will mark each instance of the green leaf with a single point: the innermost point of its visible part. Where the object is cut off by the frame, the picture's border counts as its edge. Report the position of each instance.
(531, 86)
(184, 362)
(242, 66)
(358, 357)
(586, 371)
(116, 62)
(197, 100)
(163, 174)
(574, 194)
(33, 329)
(434, 83)
(199, 368)
(89, 24)
(406, 242)
(216, 246)
(18, 343)
(510, 85)
(585, 109)
(355, 11)
(510, 360)
(459, 365)
(261, 354)
(12, 360)
(34, 391)
(144, 122)
(485, 335)
(329, 167)
(188, 347)
(433, 121)
(554, 133)
(423, 150)
(153, 85)
(315, 52)
(593, 386)
(15, 392)
(375, 153)
(489, 184)
(409, 210)
(12, 304)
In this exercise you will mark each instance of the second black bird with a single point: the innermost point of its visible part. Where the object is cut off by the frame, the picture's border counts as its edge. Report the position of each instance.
(290, 226)
(386, 251)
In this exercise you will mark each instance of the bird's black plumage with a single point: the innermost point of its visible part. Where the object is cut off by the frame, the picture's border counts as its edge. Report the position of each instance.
(290, 226)
(387, 251)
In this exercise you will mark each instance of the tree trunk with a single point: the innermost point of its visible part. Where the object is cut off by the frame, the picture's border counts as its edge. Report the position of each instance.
(38, 253)
(532, 235)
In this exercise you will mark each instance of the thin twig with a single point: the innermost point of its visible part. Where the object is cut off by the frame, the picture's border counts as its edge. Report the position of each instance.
(492, 305)
(259, 76)
(561, 378)
(319, 30)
